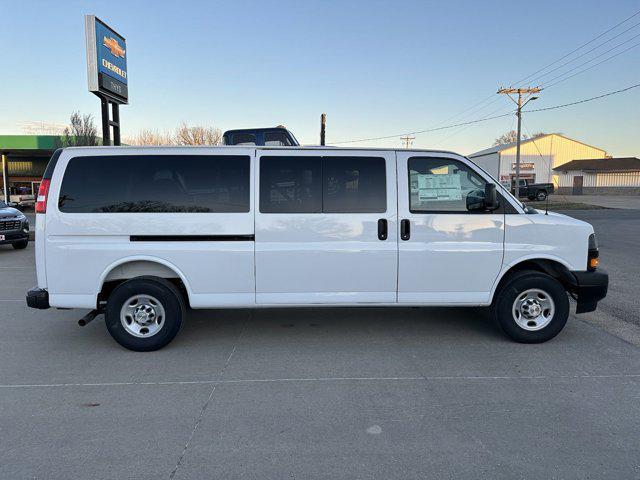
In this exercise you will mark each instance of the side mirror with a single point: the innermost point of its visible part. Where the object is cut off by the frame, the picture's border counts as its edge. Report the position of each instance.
(491, 201)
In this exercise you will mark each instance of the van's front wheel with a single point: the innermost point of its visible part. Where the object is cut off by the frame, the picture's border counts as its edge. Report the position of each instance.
(144, 314)
(531, 307)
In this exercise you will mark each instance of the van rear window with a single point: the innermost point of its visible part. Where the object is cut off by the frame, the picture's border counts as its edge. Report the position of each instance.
(156, 184)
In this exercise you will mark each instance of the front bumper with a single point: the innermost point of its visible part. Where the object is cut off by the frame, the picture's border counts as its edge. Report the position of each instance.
(38, 298)
(13, 236)
(589, 288)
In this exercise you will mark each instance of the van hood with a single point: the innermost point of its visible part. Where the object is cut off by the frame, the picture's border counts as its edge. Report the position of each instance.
(558, 219)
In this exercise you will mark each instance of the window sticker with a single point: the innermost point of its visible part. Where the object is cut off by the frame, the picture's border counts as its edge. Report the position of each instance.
(437, 187)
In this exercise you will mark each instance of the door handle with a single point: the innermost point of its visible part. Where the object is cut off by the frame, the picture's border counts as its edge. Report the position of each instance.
(382, 229)
(405, 229)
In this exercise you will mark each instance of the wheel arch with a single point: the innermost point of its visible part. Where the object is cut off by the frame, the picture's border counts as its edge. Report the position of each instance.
(552, 266)
(130, 267)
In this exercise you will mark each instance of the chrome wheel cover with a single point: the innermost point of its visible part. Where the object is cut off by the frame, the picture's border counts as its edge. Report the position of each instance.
(533, 309)
(142, 316)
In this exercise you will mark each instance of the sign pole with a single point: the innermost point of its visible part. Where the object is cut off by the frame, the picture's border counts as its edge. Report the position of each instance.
(106, 131)
(116, 123)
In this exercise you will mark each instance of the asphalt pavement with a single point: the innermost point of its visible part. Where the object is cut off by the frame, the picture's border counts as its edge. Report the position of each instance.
(406, 393)
(618, 233)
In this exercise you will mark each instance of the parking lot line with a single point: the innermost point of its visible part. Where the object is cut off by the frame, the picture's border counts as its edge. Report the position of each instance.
(206, 403)
(248, 381)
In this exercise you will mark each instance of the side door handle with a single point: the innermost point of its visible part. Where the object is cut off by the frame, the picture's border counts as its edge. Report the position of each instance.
(382, 229)
(405, 229)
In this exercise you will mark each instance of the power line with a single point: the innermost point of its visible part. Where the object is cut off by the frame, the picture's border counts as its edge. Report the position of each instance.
(537, 79)
(475, 106)
(485, 119)
(579, 48)
(598, 56)
(462, 129)
(590, 67)
(584, 100)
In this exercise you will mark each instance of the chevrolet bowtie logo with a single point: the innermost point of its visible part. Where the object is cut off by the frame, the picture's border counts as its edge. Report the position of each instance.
(113, 45)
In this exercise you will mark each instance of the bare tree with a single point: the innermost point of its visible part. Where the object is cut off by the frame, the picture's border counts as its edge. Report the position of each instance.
(151, 137)
(509, 137)
(197, 135)
(512, 137)
(81, 131)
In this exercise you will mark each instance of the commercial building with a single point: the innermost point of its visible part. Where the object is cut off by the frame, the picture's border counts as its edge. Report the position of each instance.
(24, 158)
(538, 158)
(600, 176)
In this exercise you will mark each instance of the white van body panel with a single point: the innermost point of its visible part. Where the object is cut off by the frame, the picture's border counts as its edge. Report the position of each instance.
(323, 259)
(451, 258)
(81, 248)
(554, 236)
(334, 258)
(41, 271)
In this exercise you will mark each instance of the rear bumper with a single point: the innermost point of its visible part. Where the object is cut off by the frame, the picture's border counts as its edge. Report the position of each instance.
(38, 298)
(589, 288)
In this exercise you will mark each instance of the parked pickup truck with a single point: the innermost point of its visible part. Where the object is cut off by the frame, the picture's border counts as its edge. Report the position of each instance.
(533, 191)
(270, 137)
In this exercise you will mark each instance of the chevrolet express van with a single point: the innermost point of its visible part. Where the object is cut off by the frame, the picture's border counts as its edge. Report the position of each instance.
(139, 234)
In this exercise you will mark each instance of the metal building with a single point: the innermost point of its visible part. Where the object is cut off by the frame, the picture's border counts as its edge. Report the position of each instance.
(538, 158)
(614, 176)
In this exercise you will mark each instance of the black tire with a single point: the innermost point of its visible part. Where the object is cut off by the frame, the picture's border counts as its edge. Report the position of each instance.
(515, 286)
(541, 196)
(22, 244)
(170, 300)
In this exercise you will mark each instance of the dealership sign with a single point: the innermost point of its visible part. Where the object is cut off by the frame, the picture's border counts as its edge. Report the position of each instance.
(523, 166)
(106, 60)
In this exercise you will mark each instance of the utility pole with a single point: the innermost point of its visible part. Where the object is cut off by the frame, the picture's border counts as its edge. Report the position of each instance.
(527, 92)
(323, 128)
(407, 140)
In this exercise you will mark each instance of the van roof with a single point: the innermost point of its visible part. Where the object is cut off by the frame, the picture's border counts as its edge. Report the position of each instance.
(225, 147)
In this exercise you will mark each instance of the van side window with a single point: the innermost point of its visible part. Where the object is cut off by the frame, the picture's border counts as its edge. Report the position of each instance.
(290, 185)
(322, 185)
(156, 184)
(443, 185)
(354, 185)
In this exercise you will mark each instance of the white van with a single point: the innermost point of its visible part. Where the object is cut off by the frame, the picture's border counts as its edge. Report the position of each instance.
(141, 233)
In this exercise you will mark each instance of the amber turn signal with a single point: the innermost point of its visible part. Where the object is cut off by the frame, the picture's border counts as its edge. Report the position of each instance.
(593, 263)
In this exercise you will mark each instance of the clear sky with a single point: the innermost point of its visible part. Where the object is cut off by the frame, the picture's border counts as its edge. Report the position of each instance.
(375, 67)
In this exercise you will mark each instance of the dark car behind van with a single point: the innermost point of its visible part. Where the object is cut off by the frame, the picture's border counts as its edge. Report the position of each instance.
(14, 227)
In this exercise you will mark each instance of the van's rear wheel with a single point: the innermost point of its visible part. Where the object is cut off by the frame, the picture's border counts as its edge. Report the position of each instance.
(531, 307)
(145, 313)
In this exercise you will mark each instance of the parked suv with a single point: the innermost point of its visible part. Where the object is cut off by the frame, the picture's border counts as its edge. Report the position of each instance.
(14, 227)
(139, 234)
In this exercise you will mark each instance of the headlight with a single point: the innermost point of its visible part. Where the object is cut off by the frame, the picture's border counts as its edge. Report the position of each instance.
(21, 216)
